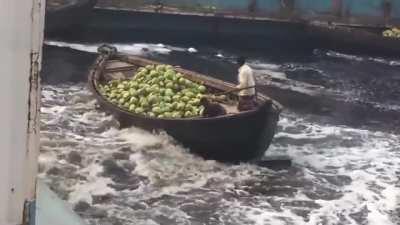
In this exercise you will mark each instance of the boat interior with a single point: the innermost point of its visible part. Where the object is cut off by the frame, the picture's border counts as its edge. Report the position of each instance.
(116, 69)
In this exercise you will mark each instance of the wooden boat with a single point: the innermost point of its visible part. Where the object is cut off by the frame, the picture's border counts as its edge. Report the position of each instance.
(61, 14)
(359, 39)
(237, 136)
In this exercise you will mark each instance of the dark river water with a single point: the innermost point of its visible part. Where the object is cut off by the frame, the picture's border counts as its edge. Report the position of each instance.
(342, 172)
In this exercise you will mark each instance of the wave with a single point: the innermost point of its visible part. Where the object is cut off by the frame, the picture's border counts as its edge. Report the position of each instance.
(340, 175)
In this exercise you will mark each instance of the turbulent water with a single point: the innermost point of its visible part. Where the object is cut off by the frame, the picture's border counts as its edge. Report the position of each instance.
(340, 175)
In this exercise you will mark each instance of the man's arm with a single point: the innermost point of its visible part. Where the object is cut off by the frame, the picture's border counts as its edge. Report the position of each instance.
(242, 80)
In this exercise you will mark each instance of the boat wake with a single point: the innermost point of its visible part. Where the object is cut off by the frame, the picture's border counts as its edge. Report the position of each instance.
(364, 79)
(330, 53)
(133, 49)
(340, 175)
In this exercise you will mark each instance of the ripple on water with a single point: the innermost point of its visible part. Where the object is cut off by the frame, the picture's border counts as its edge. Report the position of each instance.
(111, 176)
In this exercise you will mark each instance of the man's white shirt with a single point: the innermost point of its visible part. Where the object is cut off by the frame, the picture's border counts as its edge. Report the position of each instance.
(246, 79)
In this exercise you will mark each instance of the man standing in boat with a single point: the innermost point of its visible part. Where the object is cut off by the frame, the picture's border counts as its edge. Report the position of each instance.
(247, 96)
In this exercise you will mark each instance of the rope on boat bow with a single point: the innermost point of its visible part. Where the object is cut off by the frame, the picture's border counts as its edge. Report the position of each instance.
(107, 49)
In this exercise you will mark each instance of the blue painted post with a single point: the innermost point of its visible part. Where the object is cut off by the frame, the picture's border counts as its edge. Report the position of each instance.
(337, 7)
(287, 7)
(368, 8)
(387, 10)
(312, 7)
(395, 12)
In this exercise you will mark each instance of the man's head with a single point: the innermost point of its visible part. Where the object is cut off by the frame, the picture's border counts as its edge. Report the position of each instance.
(241, 60)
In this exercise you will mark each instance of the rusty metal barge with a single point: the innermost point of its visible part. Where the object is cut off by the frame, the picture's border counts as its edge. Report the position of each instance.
(348, 25)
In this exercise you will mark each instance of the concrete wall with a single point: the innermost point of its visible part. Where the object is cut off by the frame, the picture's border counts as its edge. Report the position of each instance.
(21, 25)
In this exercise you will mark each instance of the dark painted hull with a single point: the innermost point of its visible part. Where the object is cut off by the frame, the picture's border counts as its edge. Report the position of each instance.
(238, 137)
(67, 13)
(359, 40)
(112, 25)
(125, 25)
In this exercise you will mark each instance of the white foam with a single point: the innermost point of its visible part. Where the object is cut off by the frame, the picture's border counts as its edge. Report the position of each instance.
(47, 158)
(260, 215)
(367, 163)
(172, 174)
(134, 49)
(262, 65)
(261, 69)
(344, 56)
(85, 191)
(140, 138)
(386, 61)
(192, 50)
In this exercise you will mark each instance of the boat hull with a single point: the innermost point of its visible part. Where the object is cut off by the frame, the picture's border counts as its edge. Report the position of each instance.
(67, 13)
(239, 137)
(356, 40)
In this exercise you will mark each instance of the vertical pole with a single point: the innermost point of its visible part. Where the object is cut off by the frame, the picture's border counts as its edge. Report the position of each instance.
(252, 7)
(287, 7)
(337, 6)
(387, 11)
(21, 25)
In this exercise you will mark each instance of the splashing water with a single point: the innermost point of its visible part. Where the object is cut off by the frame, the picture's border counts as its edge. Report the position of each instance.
(340, 175)
(134, 49)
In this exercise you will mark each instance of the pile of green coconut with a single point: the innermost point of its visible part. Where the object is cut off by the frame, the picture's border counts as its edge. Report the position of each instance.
(392, 33)
(156, 91)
